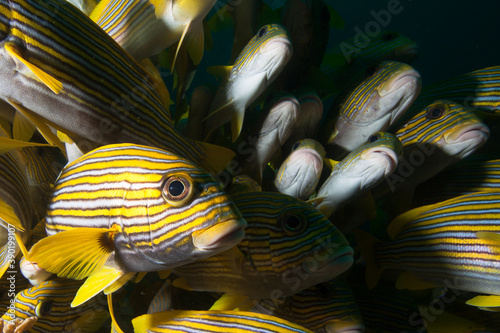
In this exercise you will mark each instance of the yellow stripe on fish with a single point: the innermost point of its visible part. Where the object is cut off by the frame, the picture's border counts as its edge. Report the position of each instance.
(59, 65)
(214, 321)
(140, 208)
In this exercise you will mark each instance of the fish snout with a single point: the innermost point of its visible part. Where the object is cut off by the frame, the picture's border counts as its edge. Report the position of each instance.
(221, 236)
(384, 156)
(475, 131)
(406, 77)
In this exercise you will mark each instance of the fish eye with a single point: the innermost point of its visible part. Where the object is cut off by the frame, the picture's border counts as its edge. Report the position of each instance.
(389, 36)
(177, 190)
(370, 71)
(435, 112)
(43, 308)
(292, 224)
(295, 145)
(373, 138)
(325, 291)
(262, 32)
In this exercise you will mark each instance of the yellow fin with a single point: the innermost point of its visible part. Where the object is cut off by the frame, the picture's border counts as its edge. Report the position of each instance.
(58, 253)
(367, 243)
(7, 144)
(96, 13)
(490, 237)
(228, 302)
(216, 157)
(140, 276)
(164, 274)
(221, 72)
(195, 44)
(114, 325)
(184, 32)
(237, 124)
(408, 280)
(399, 223)
(51, 82)
(96, 283)
(7, 215)
(484, 301)
(329, 163)
(64, 137)
(160, 7)
(42, 127)
(182, 284)
(119, 283)
(20, 242)
(22, 129)
(246, 305)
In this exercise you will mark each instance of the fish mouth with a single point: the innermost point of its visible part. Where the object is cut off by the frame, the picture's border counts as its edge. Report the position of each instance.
(407, 53)
(387, 157)
(222, 236)
(340, 262)
(467, 132)
(344, 326)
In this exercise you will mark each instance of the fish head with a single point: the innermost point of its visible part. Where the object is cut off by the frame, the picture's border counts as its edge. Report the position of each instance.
(375, 104)
(299, 173)
(392, 45)
(291, 242)
(452, 128)
(50, 303)
(266, 53)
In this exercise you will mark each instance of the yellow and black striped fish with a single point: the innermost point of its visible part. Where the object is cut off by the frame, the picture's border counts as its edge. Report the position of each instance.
(454, 244)
(375, 104)
(57, 64)
(49, 302)
(131, 209)
(214, 322)
(258, 64)
(289, 246)
(146, 27)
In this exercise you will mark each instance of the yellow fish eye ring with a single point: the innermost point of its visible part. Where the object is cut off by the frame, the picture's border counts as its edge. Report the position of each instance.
(178, 190)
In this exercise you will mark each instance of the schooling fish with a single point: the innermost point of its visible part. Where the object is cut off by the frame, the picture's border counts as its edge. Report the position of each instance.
(328, 307)
(289, 246)
(454, 244)
(146, 27)
(132, 209)
(272, 134)
(213, 322)
(299, 173)
(359, 171)
(375, 104)
(46, 308)
(256, 67)
(70, 74)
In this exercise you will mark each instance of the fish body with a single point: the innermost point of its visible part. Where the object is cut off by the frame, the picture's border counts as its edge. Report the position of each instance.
(49, 302)
(329, 307)
(145, 28)
(359, 171)
(80, 81)
(447, 244)
(289, 246)
(299, 173)
(375, 104)
(272, 134)
(258, 64)
(134, 209)
(213, 322)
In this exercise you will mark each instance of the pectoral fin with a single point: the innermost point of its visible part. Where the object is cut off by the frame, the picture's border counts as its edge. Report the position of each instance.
(58, 253)
(96, 283)
(51, 82)
(119, 283)
(179, 44)
(228, 302)
(22, 129)
(216, 157)
(237, 124)
(485, 301)
(195, 44)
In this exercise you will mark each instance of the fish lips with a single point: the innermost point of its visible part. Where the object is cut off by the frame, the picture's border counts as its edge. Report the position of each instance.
(387, 157)
(465, 139)
(221, 236)
(337, 263)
